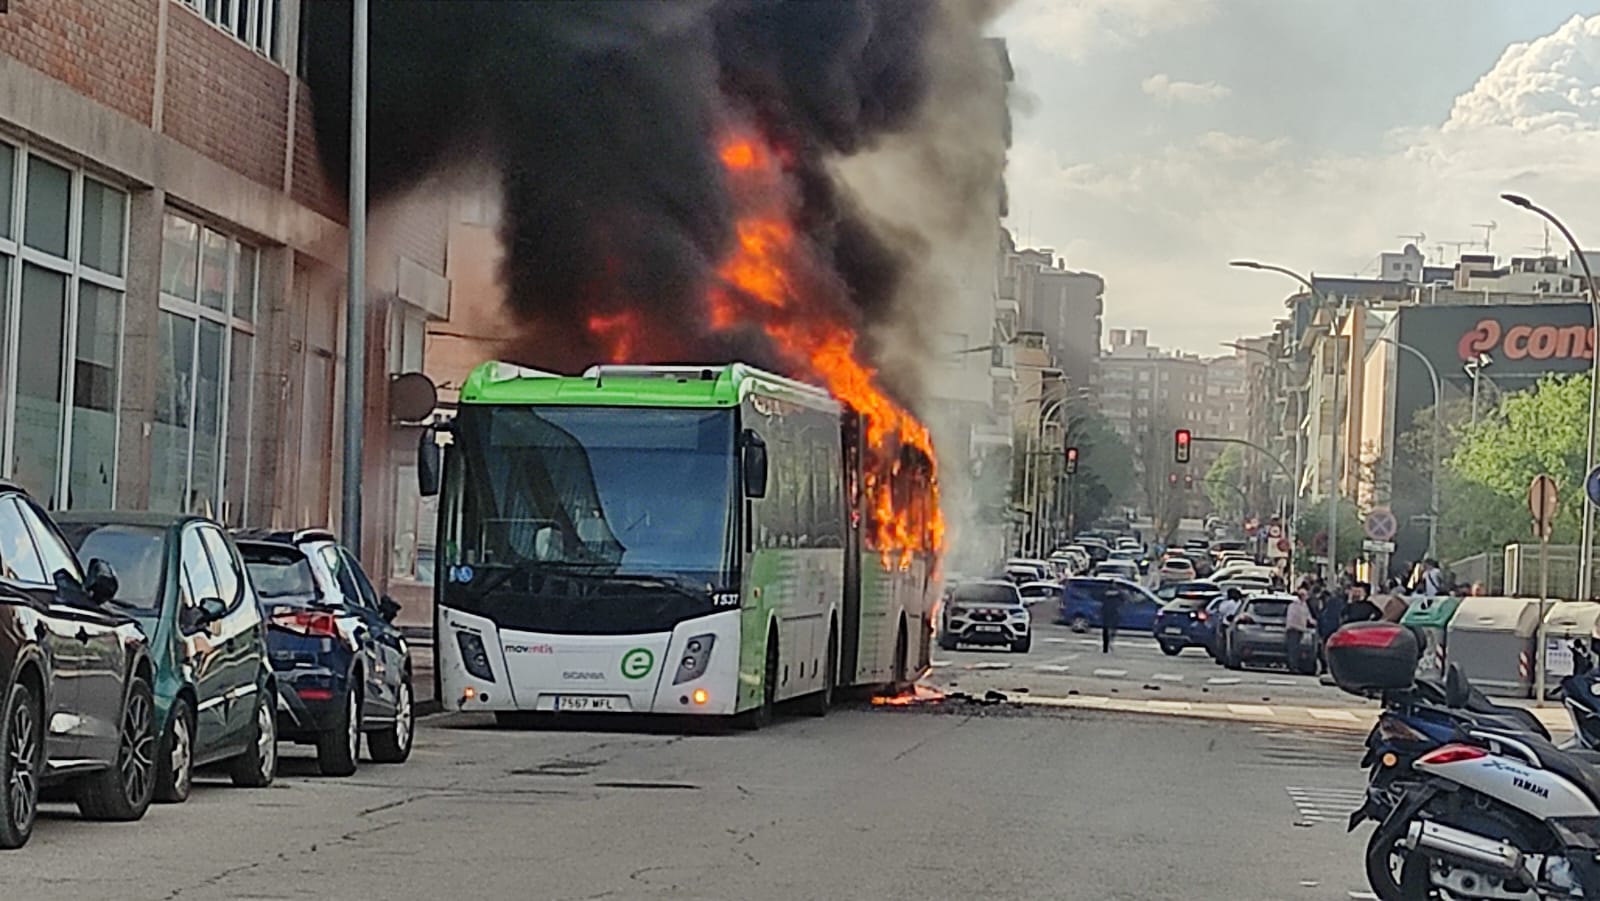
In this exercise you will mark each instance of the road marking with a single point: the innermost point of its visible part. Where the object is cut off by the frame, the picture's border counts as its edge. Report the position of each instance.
(1361, 896)
(1250, 710)
(1052, 668)
(1110, 673)
(1282, 682)
(1167, 677)
(1091, 701)
(938, 663)
(1319, 805)
(1343, 716)
(1057, 640)
(1223, 680)
(989, 664)
(1174, 706)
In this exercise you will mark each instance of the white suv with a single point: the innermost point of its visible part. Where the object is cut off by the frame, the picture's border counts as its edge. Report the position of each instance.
(987, 612)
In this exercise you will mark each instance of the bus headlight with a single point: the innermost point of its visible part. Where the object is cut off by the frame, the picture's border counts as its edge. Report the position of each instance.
(696, 657)
(474, 656)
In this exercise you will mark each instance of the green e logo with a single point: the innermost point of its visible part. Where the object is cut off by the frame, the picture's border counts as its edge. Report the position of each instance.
(636, 664)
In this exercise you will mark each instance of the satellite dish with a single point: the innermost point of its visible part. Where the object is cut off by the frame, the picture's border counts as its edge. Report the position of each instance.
(412, 397)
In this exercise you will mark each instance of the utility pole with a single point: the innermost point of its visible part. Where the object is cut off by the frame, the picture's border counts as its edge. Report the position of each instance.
(1338, 426)
(355, 342)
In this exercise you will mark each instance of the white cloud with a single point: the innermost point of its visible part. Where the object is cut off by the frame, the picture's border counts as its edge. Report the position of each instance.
(1161, 226)
(1163, 88)
(1550, 82)
(1079, 28)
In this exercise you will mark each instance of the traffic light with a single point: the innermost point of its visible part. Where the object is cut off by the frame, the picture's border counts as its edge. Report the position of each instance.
(1172, 478)
(1180, 445)
(1072, 461)
(1188, 483)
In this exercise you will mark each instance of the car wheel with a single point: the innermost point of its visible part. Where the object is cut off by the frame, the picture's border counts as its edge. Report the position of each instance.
(393, 745)
(819, 703)
(1233, 660)
(175, 762)
(123, 790)
(256, 767)
(339, 747)
(1022, 645)
(21, 758)
(1170, 649)
(1394, 873)
(1080, 623)
(947, 641)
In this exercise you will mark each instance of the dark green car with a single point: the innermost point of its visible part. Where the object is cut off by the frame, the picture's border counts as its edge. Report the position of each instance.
(182, 579)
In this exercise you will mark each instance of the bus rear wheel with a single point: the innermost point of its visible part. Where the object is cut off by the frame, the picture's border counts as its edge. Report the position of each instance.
(902, 648)
(817, 704)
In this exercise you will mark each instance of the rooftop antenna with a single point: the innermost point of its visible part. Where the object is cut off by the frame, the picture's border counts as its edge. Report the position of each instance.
(1488, 232)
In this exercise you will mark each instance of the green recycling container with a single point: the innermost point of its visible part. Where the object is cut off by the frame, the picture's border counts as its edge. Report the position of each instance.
(1432, 617)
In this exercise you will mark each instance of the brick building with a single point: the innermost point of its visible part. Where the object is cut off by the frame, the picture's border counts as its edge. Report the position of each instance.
(171, 273)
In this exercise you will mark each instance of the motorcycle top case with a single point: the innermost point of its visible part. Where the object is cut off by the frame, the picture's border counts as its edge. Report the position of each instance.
(1368, 657)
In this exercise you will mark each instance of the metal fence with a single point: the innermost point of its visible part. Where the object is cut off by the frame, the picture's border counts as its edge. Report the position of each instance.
(1521, 571)
(1484, 569)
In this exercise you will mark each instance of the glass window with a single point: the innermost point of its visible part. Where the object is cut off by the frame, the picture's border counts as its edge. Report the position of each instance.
(214, 254)
(253, 22)
(364, 588)
(180, 252)
(136, 553)
(230, 578)
(244, 282)
(49, 199)
(8, 163)
(37, 429)
(53, 550)
(94, 397)
(197, 571)
(169, 438)
(207, 449)
(104, 224)
(332, 559)
(19, 560)
(236, 478)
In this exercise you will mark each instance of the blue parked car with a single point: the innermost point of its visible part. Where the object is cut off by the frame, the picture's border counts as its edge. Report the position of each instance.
(343, 667)
(1080, 604)
(1184, 621)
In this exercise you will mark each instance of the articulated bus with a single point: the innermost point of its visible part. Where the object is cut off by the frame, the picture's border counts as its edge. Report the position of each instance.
(676, 540)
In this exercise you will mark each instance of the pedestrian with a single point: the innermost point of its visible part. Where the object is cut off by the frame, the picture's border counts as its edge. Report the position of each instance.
(1432, 578)
(1359, 609)
(1227, 608)
(1297, 622)
(1110, 614)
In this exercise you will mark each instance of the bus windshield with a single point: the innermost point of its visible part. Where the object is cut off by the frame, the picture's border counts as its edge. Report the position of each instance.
(593, 520)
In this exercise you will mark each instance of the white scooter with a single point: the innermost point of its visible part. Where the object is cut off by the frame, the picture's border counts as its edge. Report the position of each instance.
(1498, 816)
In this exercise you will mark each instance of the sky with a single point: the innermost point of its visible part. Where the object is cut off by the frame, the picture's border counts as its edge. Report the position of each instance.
(1155, 140)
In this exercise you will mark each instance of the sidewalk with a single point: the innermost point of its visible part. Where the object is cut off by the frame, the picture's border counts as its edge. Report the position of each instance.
(1351, 719)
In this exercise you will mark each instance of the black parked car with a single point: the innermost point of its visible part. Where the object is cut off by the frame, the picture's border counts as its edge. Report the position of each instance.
(76, 676)
(343, 667)
(182, 579)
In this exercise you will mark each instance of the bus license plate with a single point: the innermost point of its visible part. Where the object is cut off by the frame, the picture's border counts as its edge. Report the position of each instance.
(590, 704)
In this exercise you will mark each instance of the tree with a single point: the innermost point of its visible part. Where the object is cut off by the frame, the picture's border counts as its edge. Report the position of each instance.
(1542, 430)
(1314, 522)
(1105, 467)
(1222, 484)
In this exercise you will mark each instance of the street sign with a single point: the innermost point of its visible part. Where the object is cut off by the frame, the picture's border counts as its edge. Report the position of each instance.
(1591, 486)
(1378, 547)
(1542, 504)
(1284, 545)
(1381, 524)
(1275, 531)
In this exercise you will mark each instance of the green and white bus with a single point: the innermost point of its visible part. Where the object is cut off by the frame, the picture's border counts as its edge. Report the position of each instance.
(681, 540)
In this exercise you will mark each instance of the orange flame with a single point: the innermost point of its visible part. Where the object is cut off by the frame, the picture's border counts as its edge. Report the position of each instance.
(765, 269)
(619, 332)
(916, 694)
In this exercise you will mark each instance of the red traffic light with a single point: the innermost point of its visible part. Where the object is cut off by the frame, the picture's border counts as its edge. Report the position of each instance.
(1072, 460)
(1180, 445)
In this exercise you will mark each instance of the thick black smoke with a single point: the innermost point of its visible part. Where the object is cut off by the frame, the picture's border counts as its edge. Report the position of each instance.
(602, 120)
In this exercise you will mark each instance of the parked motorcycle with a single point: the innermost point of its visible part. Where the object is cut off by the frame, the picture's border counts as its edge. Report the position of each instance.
(1472, 799)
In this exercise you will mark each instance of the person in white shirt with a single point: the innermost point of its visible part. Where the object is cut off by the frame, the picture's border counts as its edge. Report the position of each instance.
(1297, 622)
(1226, 609)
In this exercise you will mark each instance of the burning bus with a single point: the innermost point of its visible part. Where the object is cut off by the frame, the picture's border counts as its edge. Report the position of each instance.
(676, 540)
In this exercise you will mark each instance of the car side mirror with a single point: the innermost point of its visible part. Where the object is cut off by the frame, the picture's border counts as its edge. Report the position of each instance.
(753, 464)
(209, 610)
(100, 581)
(388, 608)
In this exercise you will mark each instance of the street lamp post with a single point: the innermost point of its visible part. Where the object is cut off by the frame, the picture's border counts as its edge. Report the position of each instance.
(1433, 471)
(355, 329)
(1586, 538)
(1333, 332)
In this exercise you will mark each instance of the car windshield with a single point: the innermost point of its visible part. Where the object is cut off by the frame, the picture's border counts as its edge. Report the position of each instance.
(984, 594)
(1269, 608)
(136, 553)
(278, 571)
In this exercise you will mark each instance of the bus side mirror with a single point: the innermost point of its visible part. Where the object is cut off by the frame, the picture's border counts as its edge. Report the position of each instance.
(753, 464)
(429, 463)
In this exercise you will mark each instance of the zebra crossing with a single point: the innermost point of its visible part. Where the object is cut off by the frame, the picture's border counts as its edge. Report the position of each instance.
(1315, 805)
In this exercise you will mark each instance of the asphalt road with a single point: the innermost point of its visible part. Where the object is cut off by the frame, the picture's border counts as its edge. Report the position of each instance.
(1062, 662)
(954, 801)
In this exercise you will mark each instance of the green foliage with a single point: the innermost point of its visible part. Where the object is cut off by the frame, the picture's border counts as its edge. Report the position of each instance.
(1543, 430)
(1222, 483)
(1314, 521)
(1105, 467)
